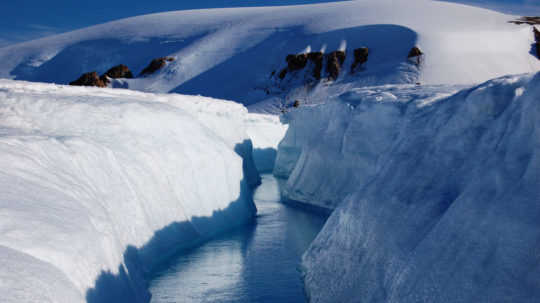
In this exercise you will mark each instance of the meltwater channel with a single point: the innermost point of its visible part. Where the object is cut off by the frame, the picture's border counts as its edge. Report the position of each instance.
(257, 263)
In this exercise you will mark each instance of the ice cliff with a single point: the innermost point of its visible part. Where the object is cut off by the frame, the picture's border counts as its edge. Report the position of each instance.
(97, 186)
(436, 198)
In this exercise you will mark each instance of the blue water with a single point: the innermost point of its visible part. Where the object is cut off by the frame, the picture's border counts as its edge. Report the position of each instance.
(258, 263)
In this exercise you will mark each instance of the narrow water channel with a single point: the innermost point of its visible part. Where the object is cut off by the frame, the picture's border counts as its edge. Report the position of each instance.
(258, 263)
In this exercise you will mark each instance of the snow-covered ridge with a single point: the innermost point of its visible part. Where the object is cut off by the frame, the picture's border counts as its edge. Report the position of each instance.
(242, 46)
(436, 197)
(98, 185)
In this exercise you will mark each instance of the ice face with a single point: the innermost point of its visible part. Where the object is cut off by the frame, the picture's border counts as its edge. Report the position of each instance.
(441, 205)
(98, 185)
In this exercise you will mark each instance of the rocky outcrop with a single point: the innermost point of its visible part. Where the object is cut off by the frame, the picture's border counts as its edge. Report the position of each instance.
(156, 65)
(537, 39)
(317, 59)
(119, 71)
(296, 62)
(360, 57)
(282, 73)
(415, 54)
(536, 34)
(526, 20)
(91, 79)
(334, 61)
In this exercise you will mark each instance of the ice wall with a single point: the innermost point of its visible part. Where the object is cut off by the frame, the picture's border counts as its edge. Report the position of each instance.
(97, 186)
(439, 202)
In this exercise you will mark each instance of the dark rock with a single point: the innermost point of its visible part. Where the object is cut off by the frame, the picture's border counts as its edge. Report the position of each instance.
(415, 52)
(119, 71)
(317, 59)
(296, 103)
(360, 57)
(538, 49)
(91, 79)
(536, 34)
(334, 61)
(282, 73)
(530, 20)
(296, 62)
(156, 65)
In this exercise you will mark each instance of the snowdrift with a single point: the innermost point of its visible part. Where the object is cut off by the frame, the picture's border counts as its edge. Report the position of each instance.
(97, 186)
(441, 201)
(243, 46)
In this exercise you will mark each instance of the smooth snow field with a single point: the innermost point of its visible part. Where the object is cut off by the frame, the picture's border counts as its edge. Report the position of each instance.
(257, 263)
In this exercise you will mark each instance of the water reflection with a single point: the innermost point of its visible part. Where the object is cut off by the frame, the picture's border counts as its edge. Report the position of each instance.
(258, 263)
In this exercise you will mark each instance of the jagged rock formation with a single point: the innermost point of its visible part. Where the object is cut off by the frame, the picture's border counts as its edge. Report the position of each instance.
(299, 61)
(416, 54)
(156, 65)
(360, 57)
(119, 71)
(334, 61)
(296, 62)
(526, 20)
(91, 79)
(537, 39)
(317, 59)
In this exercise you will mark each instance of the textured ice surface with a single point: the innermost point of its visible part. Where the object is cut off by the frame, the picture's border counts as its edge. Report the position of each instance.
(435, 201)
(99, 185)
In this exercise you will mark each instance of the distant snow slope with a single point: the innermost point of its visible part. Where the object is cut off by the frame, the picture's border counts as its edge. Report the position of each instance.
(436, 198)
(514, 7)
(98, 185)
(230, 53)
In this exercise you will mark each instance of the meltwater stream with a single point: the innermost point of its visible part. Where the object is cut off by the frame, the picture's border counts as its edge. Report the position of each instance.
(258, 263)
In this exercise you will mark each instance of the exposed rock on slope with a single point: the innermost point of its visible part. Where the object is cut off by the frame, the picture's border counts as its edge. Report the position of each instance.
(415, 54)
(360, 57)
(119, 71)
(334, 61)
(537, 39)
(526, 20)
(156, 65)
(91, 79)
(317, 59)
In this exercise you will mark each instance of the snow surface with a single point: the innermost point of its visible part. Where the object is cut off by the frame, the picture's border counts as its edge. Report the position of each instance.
(436, 198)
(514, 7)
(242, 46)
(97, 186)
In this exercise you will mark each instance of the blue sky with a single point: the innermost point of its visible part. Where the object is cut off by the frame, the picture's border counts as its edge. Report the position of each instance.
(22, 20)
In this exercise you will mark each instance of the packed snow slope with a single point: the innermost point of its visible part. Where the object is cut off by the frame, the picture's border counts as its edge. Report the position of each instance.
(436, 197)
(97, 186)
(514, 7)
(243, 46)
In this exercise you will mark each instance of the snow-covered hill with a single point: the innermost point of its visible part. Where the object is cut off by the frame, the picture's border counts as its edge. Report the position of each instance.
(436, 198)
(99, 185)
(230, 53)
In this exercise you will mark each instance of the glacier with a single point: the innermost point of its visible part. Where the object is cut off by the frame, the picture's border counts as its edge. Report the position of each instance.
(98, 186)
(434, 192)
